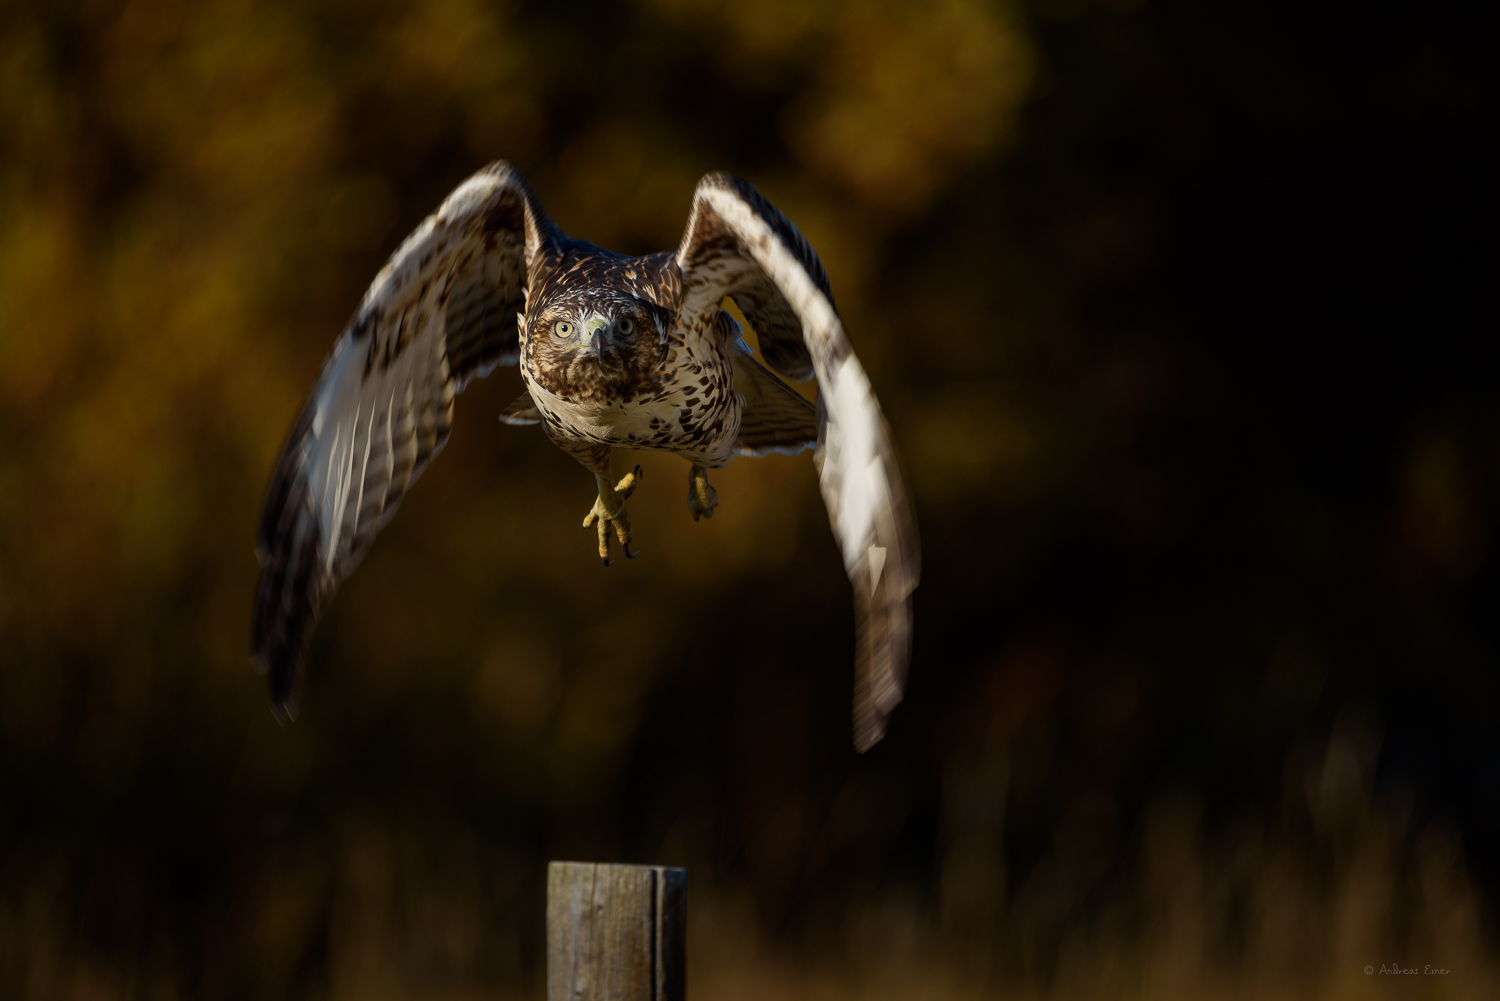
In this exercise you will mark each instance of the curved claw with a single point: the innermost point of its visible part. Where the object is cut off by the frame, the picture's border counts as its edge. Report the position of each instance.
(608, 514)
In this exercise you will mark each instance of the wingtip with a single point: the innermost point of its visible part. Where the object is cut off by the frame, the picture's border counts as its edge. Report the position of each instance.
(283, 684)
(871, 720)
(285, 713)
(276, 655)
(866, 738)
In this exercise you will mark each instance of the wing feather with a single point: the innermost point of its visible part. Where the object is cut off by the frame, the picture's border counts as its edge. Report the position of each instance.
(776, 417)
(439, 313)
(738, 244)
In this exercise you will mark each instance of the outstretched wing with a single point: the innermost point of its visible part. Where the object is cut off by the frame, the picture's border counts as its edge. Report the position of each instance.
(441, 311)
(738, 244)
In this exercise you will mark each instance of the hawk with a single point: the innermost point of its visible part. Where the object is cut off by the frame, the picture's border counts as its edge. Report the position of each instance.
(615, 352)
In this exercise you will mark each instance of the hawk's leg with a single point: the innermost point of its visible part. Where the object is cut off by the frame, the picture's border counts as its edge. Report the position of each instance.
(609, 512)
(702, 498)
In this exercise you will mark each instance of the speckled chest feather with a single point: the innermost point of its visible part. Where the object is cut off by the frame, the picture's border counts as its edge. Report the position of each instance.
(608, 361)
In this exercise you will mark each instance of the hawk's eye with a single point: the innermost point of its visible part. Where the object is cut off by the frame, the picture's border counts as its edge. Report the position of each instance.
(563, 329)
(627, 325)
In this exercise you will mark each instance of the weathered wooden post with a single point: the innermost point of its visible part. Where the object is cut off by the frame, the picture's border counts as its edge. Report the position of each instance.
(616, 932)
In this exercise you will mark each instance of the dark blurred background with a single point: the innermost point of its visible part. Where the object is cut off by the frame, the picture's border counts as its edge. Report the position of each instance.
(1177, 312)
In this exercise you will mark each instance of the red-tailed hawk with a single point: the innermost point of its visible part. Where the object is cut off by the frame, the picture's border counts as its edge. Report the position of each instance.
(615, 352)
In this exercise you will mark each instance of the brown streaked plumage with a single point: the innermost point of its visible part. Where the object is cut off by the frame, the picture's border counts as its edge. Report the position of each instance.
(615, 352)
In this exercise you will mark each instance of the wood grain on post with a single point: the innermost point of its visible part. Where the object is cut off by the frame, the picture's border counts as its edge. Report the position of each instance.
(616, 932)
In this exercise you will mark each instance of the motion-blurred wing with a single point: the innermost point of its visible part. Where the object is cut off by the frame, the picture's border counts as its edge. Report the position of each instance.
(738, 244)
(441, 311)
(776, 417)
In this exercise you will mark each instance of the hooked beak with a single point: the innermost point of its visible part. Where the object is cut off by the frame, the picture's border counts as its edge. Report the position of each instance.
(594, 331)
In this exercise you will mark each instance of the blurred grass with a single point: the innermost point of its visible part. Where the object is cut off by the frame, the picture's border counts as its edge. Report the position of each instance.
(1169, 604)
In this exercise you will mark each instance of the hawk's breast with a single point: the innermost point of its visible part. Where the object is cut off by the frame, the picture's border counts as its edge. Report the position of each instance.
(694, 409)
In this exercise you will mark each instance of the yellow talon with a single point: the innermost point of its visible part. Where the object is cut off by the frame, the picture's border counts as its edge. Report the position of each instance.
(609, 509)
(701, 498)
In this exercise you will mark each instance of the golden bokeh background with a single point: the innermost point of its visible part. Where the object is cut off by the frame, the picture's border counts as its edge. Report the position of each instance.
(1173, 313)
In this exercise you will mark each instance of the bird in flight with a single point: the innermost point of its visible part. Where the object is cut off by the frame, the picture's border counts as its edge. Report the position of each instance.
(615, 352)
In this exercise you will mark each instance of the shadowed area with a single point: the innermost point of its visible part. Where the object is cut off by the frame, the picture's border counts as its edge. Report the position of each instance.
(1177, 315)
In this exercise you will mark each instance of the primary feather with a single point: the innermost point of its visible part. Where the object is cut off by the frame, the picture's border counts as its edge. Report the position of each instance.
(662, 368)
(742, 246)
(440, 312)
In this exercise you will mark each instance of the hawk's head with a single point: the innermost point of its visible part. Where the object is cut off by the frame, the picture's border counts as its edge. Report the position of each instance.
(594, 344)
